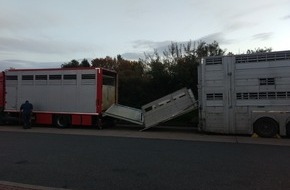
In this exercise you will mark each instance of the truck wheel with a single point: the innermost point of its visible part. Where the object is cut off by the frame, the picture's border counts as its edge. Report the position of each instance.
(266, 127)
(62, 121)
(2, 121)
(288, 129)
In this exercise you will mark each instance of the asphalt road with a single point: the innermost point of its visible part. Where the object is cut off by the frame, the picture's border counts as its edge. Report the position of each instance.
(103, 162)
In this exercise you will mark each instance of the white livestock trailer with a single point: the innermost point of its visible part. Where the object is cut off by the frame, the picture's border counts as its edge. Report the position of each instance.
(245, 94)
(61, 97)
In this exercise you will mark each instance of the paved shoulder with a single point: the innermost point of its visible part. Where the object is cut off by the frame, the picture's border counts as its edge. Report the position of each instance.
(160, 133)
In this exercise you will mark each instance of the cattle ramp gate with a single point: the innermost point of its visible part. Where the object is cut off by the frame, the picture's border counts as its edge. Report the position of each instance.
(155, 112)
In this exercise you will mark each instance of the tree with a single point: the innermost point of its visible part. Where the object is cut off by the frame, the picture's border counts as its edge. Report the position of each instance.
(157, 75)
(85, 63)
(204, 50)
(132, 82)
(259, 50)
(71, 64)
(178, 66)
(107, 62)
(183, 69)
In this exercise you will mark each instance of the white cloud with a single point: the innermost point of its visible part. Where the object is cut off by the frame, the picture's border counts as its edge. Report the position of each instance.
(133, 56)
(286, 17)
(236, 25)
(262, 36)
(40, 46)
(21, 64)
(149, 45)
(219, 37)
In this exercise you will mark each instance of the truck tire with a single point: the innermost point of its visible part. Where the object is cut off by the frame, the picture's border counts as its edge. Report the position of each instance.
(266, 127)
(288, 129)
(2, 122)
(61, 121)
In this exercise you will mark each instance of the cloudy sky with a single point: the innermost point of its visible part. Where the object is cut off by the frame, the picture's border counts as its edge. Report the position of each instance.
(46, 33)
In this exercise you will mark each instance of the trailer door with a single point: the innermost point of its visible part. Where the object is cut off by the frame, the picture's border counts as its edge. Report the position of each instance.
(109, 89)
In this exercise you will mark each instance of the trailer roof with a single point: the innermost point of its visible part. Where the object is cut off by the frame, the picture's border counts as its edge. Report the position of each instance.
(246, 58)
(58, 69)
(287, 52)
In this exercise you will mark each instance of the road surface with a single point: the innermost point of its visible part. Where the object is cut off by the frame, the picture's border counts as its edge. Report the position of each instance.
(94, 159)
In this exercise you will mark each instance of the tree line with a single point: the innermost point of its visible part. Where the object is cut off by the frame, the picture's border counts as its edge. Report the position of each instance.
(156, 75)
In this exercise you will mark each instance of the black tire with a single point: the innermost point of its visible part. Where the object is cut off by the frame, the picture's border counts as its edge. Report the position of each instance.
(288, 129)
(2, 120)
(61, 121)
(266, 127)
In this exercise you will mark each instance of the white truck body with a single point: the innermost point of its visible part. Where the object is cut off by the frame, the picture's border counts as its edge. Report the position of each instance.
(79, 95)
(237, 93)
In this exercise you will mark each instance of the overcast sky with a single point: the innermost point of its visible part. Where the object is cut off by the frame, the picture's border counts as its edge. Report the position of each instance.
(36, 32)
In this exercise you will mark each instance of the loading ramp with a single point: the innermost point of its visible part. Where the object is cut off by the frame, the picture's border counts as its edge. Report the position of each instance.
(155, 112)
(126, 113)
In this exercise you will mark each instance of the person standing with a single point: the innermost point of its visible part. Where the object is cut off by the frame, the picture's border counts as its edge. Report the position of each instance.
(26, 110)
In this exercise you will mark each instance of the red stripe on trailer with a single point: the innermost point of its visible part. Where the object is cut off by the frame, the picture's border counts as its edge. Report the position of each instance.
(81, 120)
(86, 120)
(43, 118)
(99, 90)
(76, 119)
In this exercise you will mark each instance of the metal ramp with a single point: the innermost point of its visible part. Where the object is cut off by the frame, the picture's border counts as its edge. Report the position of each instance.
(125, 113)
(168, 107)
(161, 110)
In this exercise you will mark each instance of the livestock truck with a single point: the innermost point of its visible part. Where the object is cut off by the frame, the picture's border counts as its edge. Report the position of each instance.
(245, 94)
(60, 97)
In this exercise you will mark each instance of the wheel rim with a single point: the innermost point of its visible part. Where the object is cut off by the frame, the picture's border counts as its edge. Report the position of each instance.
(61, 121)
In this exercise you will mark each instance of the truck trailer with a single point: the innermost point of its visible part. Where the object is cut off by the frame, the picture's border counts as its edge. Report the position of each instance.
(60, 97)
(245, 94)
(81, 96)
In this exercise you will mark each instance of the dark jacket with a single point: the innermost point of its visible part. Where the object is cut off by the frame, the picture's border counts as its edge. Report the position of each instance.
(26, 108)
